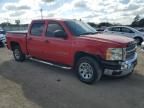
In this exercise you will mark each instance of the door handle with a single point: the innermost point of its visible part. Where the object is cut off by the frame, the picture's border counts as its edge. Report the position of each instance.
(46, 41)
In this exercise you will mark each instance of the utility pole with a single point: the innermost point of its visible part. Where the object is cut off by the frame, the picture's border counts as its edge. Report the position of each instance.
(41, 11)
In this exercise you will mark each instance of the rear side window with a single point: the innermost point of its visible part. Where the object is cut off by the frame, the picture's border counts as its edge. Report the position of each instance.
(37, 28)
(126, 30)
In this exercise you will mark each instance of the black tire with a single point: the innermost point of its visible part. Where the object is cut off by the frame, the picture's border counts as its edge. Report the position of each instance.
(94, 75)
(138, 40)
(18, 55)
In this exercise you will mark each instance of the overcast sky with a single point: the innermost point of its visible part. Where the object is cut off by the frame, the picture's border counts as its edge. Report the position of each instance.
(117, 11)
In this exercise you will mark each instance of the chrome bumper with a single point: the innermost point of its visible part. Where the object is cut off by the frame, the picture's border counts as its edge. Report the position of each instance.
(126, 68)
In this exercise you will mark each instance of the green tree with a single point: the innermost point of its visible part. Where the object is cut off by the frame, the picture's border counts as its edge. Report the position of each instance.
(106, 24)
(4, 24)
(141, 22)
(92, 24)
(135, 22)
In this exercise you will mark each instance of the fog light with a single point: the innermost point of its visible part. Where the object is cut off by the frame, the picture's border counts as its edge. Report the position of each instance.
(124, 66)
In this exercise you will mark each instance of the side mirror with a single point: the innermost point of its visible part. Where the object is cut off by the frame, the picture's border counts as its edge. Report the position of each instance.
(60, 34)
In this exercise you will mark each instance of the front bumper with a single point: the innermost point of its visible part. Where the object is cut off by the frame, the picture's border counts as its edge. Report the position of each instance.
(120, 68)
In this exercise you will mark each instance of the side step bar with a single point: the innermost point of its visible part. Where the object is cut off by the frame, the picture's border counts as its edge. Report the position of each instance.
(48, 63)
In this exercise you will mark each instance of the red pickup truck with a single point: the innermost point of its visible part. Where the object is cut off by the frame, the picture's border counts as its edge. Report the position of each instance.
(72, 43)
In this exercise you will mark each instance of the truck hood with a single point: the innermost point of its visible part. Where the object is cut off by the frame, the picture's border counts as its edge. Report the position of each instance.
(108, 38)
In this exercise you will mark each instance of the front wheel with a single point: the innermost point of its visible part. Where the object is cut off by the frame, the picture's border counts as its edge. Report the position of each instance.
(18, 55)
(88, 70)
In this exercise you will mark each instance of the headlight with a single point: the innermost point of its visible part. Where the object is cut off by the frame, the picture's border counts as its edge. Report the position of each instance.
(114, 54)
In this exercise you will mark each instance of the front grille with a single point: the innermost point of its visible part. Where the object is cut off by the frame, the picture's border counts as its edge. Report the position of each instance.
(130, 50)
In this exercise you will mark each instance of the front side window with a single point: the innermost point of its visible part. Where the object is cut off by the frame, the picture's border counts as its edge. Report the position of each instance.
(37, 28)
(116, 29)
(52, 28)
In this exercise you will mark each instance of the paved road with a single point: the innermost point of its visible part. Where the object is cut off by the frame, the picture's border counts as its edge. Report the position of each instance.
(35, 85)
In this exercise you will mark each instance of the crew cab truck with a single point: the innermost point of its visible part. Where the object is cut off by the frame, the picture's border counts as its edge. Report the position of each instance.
(73, 43)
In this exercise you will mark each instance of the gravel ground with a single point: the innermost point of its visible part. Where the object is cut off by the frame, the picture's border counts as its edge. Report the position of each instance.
(35, 85)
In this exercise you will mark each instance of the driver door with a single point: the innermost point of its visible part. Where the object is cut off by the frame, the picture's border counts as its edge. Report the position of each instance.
(57, 49)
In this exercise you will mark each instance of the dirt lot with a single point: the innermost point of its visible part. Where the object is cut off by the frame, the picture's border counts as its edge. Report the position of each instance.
(35, 85)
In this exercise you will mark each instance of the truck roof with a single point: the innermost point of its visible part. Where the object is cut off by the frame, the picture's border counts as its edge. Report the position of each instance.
(54, 19)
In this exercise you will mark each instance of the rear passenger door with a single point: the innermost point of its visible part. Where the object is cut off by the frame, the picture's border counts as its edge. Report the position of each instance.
(35, 39)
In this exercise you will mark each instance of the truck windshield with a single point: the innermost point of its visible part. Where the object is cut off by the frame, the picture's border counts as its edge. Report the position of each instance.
(79, 28)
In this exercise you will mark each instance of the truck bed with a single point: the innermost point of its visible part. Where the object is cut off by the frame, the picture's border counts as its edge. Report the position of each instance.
(19, 37)
(17, 32)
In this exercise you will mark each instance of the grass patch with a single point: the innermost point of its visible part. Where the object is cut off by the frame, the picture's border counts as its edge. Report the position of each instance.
(140, 67)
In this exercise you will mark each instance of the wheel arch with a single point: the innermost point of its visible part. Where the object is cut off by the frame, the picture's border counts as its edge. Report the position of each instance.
(139, 37)
(81, 54)
(13, 44)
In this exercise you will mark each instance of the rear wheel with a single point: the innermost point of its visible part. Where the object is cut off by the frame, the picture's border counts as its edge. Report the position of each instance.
(18, 55)
(138, 40)
(88, 70)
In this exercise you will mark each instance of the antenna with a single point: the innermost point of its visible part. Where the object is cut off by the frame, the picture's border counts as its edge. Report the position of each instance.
(41, 11)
